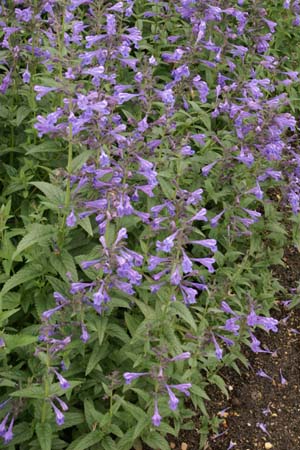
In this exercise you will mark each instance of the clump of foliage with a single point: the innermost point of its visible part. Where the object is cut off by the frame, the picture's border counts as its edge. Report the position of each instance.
(142, 146)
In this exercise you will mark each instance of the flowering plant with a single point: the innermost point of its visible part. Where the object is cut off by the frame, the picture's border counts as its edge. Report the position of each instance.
(145, 145)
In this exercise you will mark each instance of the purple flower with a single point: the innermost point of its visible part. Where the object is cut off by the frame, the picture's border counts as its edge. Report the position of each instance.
(175, 276)
(263, 427)
(3, 424)
(26, 75)
(8, 435)
(231, 325)
(47, 314)
(156, 418)
(59, 417)
(256, 191)
(71, 219)
(189, 294)
(184, 388)
(130, 376)
(187, 151)
(42, 90)
(208, 243)
(201, 87)
(23, 15)
(206, 169)
(84, 334)
(187, 265)
(173, 400)
(214, 221)
(111, 27)
(218, 350)
(181, 72)
(207, 262)
(64, 384)
(167, 244)
(62, 404)
(282, 379)
(263, 374)
(184, 355)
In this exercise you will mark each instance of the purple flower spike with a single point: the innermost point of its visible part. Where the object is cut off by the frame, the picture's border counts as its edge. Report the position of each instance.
(156, 418)
(130, 376)
(173, 400)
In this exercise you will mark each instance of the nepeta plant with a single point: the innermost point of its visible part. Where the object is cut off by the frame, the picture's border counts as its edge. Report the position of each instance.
(141, 141)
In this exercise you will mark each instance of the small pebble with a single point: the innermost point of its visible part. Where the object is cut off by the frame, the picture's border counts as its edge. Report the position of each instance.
(184, 446)
(172, 445)
(268, 445)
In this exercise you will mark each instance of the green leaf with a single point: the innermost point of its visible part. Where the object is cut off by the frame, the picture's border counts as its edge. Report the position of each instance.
(218, 381)
(5, 315)
(79, 160)
(37, 234)
(13, 341)
(27, 273)
(167, 188)
(22, 113)
(86, 441)
(44, 435)
(31, 392)
(156, 441)
(85, 223)
(63, 263)
(53, 193)
(185, 314)
(143, 423)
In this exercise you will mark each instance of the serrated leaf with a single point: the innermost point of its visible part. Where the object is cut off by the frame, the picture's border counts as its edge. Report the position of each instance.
(27, 273)
(6, 314)
(44, 435)
(79, 160)
(13, 341)
(63, 263)
(185, 314)
(22, 113)
(143, 423)
(115, 330)
(155, 440)
(167, 188)
(85, 223)
(218, 381)
(31, 392)
(86, 441)
(37, 234)
(53, 193)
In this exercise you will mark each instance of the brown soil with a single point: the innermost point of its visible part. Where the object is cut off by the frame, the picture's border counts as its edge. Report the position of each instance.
(261, 413)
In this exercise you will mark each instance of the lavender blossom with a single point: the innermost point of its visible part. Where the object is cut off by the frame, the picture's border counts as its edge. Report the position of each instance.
(64, 384)
(263, 374)
(59, 417)
(8, 435)
(263, 428)
(156, 418)
(173, 400)
(130, 376)
(282, 379)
